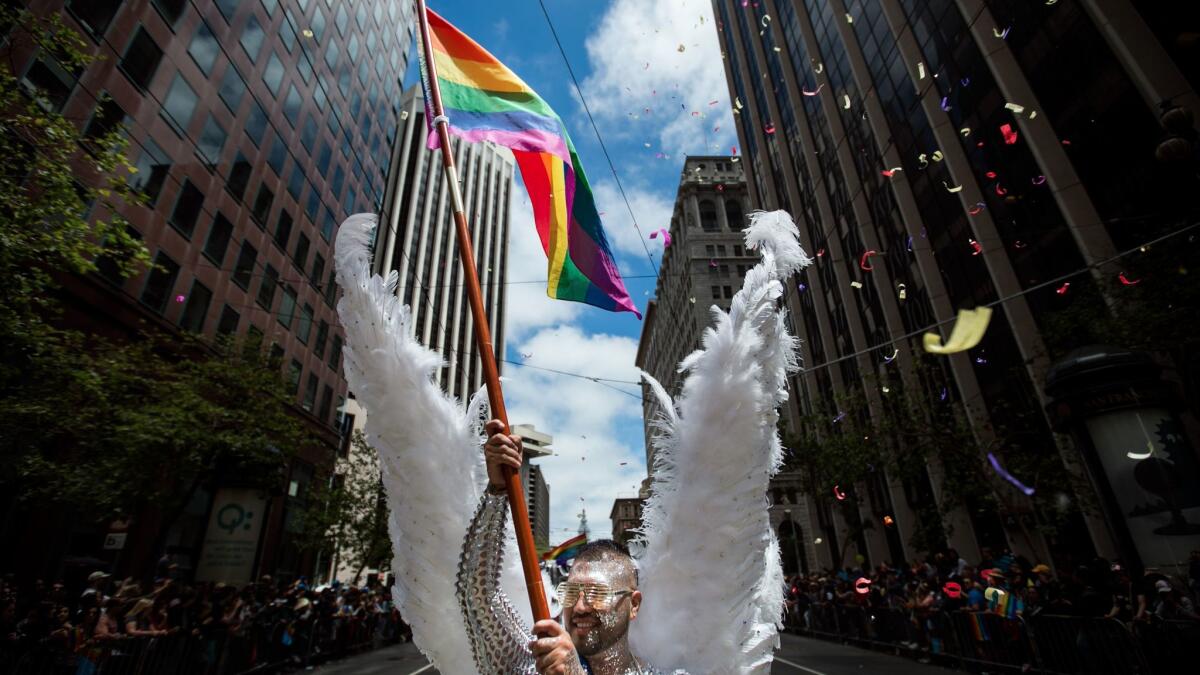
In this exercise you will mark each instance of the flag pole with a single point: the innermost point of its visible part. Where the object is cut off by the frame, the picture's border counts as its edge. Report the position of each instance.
(483, 337)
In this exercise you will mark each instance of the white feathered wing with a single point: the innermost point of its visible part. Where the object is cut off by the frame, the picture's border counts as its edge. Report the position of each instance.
(710, 571)
(429, 452)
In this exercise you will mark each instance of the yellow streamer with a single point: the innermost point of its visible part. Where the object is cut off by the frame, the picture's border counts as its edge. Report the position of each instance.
(967, 332)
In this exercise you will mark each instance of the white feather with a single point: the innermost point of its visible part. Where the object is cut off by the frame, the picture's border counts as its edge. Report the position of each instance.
(710, 570)
(429, 451)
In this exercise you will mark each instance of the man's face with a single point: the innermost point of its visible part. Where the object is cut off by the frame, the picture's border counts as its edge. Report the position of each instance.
(594, 627)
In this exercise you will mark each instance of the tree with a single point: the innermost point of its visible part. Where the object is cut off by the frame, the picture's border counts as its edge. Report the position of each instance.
(347, 515)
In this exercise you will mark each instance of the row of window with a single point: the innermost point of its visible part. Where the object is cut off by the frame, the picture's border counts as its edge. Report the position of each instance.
(158, 292)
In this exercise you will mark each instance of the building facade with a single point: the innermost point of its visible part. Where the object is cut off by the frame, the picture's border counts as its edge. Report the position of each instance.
(417, 239)
(536, 445)
(704, 266)
(626, 516)
(255, 128)
(939, 155)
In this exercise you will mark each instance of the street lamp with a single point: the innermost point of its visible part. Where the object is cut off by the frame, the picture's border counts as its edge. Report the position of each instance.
(787, 513)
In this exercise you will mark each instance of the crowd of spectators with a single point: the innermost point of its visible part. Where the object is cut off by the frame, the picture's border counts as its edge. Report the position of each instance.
(226, 628)
(1002, 583)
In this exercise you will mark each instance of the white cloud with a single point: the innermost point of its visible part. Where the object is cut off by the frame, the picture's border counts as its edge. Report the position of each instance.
(652, 211)
(595, 428)
(636, 64)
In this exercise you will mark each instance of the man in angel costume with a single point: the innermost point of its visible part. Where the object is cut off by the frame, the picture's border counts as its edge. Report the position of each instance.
(708, 593)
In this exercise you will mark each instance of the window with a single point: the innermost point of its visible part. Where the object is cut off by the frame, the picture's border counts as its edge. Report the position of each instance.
(106, 118)
(211, 141)
(278, 156)
(323, 158)
(313, 205)
(716, 292)
(204, 48)
(256, 122)
(287, 308)
(318, 24)
(273, 74)
(239, 177)
(243, 269)
(94, 15)
(227, 7)
(283, 229)
(335, 353)
(310, 393)
(710, 250)
(737, 250)
(304, 329)
(331, 289)
(306, 71)
(160, 283)
(141, 59)
(733, 213)
(252, 38)
(109, 262)
(308, 135)
(171, 9)
(327, 225)
(232, 89)
(228, 323)
(291, 106)
(288, 35)
(293, 378)
(318, 268)
(276, 356)
(254, 339)
(708, 216)
(179, 104)
(195, 311)
(322, 336)
(152, 168)
(339, 177)
(266, 289)
(262, 205)
(728, 291)
(270, 6)
(331, 56)
(301, 257)
(342, 20)
(352, 49)
(187, 208)
(360, 17)
(721, 249)
(296, 181)
(49, 83)
(326, 400)
(218, 239)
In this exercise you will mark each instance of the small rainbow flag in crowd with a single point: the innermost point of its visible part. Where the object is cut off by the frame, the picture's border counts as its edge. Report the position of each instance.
(485, 101)
(566, 550)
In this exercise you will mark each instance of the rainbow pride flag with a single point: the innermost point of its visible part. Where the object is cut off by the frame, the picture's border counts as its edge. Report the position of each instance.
(485, 101)
(566, 550)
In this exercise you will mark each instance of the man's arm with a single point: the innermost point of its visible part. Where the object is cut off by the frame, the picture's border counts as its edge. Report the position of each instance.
(499, 643)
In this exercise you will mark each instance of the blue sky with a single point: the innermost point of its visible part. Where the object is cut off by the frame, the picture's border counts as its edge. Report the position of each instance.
(652, 75)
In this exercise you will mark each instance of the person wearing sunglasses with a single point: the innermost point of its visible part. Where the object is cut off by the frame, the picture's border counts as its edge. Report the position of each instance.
(599, 599)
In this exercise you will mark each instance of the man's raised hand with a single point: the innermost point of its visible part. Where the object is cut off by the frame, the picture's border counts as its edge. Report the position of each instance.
(500, 450)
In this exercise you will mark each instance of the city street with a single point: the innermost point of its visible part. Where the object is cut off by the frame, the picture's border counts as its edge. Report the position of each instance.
(798, 655)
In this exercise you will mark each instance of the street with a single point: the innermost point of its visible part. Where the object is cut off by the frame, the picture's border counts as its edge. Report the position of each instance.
(798, 655)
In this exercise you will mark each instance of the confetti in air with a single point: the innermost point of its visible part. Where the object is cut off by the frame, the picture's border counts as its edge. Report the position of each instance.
(968, 330)
(666, 236)
(1008, 476)
(862, 262)
(1062, 290)
(1010, 136)
(814, 92)
(1126, 281)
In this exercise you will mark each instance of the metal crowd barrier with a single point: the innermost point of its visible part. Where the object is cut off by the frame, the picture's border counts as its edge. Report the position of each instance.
(259, 648)
(981, 641)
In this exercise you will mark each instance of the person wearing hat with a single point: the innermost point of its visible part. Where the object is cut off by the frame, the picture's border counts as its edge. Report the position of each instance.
(94, 595)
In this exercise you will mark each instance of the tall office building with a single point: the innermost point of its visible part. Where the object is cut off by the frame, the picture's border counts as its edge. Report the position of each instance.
(946, 154)
(256, 126)
(537, 492)
(417, 239)
(703, 266)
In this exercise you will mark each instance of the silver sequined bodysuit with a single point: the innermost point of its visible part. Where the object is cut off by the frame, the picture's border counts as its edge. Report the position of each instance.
(499, 640)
